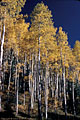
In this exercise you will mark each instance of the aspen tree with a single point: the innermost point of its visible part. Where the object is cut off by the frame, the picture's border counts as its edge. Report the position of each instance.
(76, 54)
(63, 43)
(7, 8)
(43, 34)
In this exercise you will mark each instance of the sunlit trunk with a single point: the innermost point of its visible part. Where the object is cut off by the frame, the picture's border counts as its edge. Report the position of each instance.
(30, 74)
(2, 43)
(17, 86)
(32, 86)
(46, 90)
(17, 94)
(60, 87)
(39, 84)
(24, 75)
(35, 88)
(35, 78)
(57, 86)
(65, 101)
(1, 58)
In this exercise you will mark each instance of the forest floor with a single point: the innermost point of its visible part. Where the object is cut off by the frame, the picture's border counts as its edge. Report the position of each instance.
(25, 113)
(9, 114)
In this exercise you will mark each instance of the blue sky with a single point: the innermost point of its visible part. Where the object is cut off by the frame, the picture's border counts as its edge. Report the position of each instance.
(66, 13)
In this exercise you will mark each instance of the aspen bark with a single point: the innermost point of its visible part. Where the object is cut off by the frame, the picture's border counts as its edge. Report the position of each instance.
(46, 90)
(35, 78)
(39, 84)
(30, 74)
(35, 88)
(57, 86)
(52, 91)
(2, 43)
(73, 98)
(24, 75)
(65, 101)
(32, 86)
(60, 87)
(17, 87)
(10, 73)
(17, 96)
(1, 58)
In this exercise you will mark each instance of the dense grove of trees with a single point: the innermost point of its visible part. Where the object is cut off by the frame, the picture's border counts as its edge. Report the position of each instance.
(39, 71)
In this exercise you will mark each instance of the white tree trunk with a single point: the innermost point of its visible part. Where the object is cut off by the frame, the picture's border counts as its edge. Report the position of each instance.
(52, 91)
(39, 83)
(24, 80)
(32, 86)
(2, 43)
(30, 74)
(1, 58)
(65, 102)
(46, 90)
(17, 86)
(57, 86)
(35, 78)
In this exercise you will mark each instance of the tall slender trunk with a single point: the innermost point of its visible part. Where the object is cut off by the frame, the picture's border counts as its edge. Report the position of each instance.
(73, 98)
(49, 81)
(2, 43)
(17, 94)
(30, 74)
(39, 84)
(52, 91)
(17, 86)
(56, 91)
(24, 94)
(37, 81)
(64, 82)
(60, 93)
(15, 80)
(60, 87)
(35, 78)
(32, 86)
(0, 30)
(65, 101)
(1, 58)
(24, 79)
(3, 79)
(10, 73)
(46, 90)
(57, 86)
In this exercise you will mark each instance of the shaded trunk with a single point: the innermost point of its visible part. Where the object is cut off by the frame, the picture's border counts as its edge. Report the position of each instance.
(10, 73)
(73, 99)
(52, 91)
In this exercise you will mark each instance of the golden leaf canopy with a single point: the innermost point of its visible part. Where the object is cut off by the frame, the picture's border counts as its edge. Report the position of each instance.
(11, 7)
